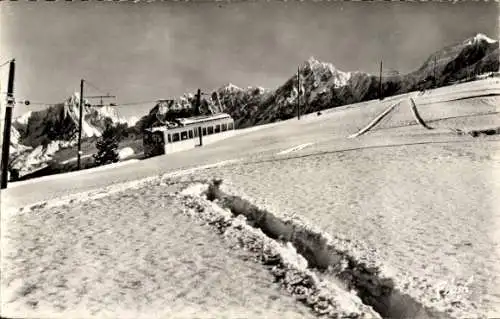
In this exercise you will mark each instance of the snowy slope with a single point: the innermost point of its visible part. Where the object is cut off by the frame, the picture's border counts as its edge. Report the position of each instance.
(452, 213)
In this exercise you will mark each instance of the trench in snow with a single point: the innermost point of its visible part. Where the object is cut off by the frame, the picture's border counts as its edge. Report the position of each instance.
(374, 290)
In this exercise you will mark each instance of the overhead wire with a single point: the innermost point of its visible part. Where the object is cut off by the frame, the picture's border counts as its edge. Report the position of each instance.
(5, 63)
(95, 86)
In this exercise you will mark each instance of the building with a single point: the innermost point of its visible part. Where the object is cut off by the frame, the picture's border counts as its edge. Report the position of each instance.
(190, 133)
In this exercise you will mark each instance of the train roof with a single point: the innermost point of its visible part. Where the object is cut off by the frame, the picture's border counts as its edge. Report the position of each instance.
(191, 121)
(203, 118)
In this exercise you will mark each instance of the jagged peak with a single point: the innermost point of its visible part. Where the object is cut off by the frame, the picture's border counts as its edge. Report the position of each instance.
(480, 37)
(23, 119)
(230, 87)
(312, 60)
(315, 64)
(312, 63)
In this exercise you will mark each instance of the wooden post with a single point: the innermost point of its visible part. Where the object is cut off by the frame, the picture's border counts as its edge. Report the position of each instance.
(80, 123)
(298, 93)
(8, 124)
(435, 79)
(380, 83)
(198, 102)
(200, 135)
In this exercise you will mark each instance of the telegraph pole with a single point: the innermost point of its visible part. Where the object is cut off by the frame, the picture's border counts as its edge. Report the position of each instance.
(198, 102)
(8, 123)
(80, 122)
(380, 82)
(198, 107)
(435, 79)
(298, 93)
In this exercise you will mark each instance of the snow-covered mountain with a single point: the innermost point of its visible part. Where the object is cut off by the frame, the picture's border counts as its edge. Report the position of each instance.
(325, 86)
(240, 103)
(60, 122)
(475, 55)
(37, 135)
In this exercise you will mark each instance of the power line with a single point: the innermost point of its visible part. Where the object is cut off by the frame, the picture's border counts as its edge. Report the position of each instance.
(39, 103)
(94, 86)
(5, 63)
(136, 103)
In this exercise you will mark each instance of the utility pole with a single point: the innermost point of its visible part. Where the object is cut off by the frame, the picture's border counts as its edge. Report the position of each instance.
(198, 102)
(198, 106)
(298, 93)
(200, 135)
(380, 83)
(435, 79)
(8, 123)
(80, 122)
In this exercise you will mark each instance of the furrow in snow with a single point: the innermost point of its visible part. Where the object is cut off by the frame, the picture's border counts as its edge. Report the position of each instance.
(324, 297)
(316, 247)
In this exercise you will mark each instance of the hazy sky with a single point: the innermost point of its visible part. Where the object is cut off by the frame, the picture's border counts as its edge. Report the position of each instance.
(147, 51)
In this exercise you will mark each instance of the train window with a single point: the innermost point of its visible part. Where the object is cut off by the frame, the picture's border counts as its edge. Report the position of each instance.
(175, 137)
(195, 132)
(190, 134)
(217, 128)
(204, 131)
(230, 126)
(169, 138)
(184, 135)
(210, 130)
(224, 127)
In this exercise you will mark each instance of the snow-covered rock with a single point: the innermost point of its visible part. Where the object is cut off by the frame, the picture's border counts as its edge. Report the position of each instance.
(230, 87)
(16, 148)
(480, 37)
(28, 161)
(125, 152)
(23, 119)
(132, 121)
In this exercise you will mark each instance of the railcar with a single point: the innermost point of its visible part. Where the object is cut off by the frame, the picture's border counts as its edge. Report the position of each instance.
(189, 133)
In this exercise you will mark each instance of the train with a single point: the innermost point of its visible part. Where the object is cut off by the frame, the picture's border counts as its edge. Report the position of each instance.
(187, 134)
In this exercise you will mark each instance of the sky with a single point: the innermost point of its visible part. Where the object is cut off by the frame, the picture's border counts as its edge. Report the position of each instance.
(147, 51)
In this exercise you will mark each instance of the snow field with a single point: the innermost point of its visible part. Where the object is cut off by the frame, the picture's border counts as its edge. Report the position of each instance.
(100, 259)
(424, 214)
(432, 233)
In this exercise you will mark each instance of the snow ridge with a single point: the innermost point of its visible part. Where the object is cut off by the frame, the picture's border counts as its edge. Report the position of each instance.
(481, 37)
